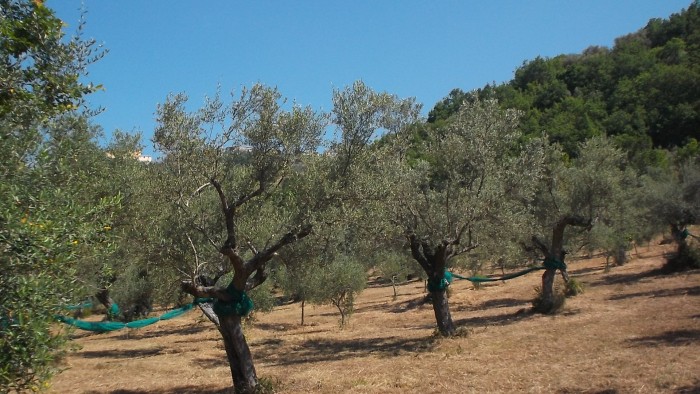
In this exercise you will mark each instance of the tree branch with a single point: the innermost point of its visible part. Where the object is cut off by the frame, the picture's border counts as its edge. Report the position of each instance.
(465, 249)
(230, 245)
(560, 226)
(257, 279)
(266, 255)
(416, 253)
(205, 291)
(262, 187)
(540, 245)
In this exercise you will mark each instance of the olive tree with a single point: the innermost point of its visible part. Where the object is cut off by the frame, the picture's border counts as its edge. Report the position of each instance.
(396, 266)
(46, 227)
(245, 153)
(319, 272)
(467, 190)
(339, 282)
(299, 282)
(673, 198)
(248, 180)
(575, 195)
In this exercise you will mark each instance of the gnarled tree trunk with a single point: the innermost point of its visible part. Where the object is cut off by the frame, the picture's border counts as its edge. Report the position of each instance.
(547, 301)
(433, 260)
(682, 259)
(443, 316)
(240, 359)
(554, 259)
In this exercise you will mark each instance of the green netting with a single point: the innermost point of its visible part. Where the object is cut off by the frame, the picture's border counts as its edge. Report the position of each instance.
(438, 284)
(107, 326)
(480, 279)
(176, 312)
(685, 233)
(143, 322)
(4, 322)
(551, 263)
(103, 326)
(444, 282)
(240, 303)
(113, 310)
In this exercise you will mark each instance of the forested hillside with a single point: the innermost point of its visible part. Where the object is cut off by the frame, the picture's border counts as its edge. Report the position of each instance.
(645, 91)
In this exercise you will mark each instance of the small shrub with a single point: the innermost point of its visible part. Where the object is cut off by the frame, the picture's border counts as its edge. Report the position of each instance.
(539, 305)
(133, 293)
(267, 386)
(339, 283)
(573, 288)
(461, 332)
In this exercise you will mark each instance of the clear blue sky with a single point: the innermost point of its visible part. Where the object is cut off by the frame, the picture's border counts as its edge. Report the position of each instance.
(418, 48)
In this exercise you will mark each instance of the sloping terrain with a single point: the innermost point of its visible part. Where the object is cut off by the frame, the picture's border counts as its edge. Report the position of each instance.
(632, 331)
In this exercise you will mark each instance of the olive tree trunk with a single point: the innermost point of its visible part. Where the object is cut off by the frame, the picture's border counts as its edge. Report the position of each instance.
(240, 359)
(433, 259)
(555, 253)
(238, 354)
(548, 298)
(443, 316)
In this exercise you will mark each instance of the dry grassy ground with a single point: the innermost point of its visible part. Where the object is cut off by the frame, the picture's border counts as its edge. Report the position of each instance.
(632, 331)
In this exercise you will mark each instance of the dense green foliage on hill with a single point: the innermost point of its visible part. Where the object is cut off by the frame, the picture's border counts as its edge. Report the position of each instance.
(645, 91)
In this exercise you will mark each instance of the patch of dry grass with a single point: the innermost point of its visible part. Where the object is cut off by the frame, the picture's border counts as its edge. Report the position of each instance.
(631, 331)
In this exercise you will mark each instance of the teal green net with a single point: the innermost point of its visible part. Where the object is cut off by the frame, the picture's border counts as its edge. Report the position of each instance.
(480, 279)
(107, 326)
(685, 233)
(113, 311)
(177, 312)
(442, 283)
(240, 303)
(103, 326)
(551, 263)
(439, 284)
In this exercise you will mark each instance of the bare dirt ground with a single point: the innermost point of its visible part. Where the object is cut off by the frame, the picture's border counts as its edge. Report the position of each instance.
(632, 331)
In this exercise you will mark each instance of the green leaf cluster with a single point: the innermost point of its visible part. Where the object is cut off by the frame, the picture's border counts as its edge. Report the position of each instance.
(50, 221)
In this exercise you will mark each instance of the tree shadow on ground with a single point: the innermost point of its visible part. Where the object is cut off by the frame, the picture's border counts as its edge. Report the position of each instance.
(502, 319)
(585, 271)
(683, 291)
(268, 342)
(172, 390)
(319, 350)
(184, 330)
(502, 303)
(613, 279)
(128, 353)
(379, 306)
(693, 388)
(210, 362)
(409, 305)
(276, 326)
(586, 391)
(199, 340)
(668, 338)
